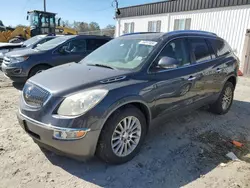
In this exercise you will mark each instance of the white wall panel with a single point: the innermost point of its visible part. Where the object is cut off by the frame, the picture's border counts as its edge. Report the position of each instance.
(141, 23)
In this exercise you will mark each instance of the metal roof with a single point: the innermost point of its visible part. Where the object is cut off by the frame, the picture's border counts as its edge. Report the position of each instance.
(177, 6)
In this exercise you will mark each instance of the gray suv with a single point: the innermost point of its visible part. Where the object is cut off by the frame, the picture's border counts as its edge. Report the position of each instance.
(104, 104)
(23, 64)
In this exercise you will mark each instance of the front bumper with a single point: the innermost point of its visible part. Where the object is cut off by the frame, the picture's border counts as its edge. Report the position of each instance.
(43, 133)
(14, 73)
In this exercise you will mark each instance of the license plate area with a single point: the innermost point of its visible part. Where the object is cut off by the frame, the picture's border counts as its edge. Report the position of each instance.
(26, 128)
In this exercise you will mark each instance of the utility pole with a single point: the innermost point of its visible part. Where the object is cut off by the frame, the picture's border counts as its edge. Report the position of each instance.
(44, 5)
(117, 11)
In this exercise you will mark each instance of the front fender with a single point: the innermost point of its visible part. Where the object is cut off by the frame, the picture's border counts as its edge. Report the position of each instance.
(119, 103)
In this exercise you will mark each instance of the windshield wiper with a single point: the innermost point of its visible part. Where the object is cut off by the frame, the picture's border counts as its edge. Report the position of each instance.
(100, 65)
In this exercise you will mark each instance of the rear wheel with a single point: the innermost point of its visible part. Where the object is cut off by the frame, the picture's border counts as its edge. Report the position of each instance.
(225, 100)
(122, 136)
(38, 69)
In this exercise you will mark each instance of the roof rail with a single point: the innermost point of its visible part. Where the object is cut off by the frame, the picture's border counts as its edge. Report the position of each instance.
(136, 33)
(193, 31)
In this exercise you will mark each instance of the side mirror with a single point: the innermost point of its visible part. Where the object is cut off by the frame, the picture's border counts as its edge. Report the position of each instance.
(27, 17)
(168, 63)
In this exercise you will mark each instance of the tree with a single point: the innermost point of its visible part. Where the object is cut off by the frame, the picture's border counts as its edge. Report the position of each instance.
(21, 25)
(109, 30)
(81, 26)
(93, 26)
(66, 23)
(1, 23)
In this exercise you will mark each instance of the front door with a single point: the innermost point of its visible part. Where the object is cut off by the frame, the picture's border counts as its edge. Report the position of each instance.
(179, 87)
(72, 51)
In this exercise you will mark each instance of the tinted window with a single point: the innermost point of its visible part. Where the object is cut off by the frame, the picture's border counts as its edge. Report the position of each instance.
(32, 40)
(75, 46)
(199, 49)
(43, 41)
(211, 50)
(220, 47)
(53, 43)
(93, 44)
(176, 49)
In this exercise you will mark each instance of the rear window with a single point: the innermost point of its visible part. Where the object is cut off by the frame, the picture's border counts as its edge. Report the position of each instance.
(220, 47)
(93, 44)
(199, 49)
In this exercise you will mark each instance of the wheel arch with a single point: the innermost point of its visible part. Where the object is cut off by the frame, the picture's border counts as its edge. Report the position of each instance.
(37, 65)
(232, 79)
(140, 104)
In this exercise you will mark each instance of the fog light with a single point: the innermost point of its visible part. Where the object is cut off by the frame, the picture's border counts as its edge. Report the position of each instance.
(17, 71)
(69, 135)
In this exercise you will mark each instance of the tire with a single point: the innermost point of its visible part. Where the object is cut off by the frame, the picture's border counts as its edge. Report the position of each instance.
(105, 149)
(37, 69)
(217, 107)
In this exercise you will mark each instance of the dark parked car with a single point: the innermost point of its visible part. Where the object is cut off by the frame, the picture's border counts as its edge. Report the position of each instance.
(104, 104)
(21, 65)
(30, 43)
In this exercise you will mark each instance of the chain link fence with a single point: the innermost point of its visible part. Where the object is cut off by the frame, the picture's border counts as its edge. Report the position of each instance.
(101, 32)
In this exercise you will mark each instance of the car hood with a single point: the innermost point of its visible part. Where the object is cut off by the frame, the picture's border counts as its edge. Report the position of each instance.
(72, 77)
(23, 52)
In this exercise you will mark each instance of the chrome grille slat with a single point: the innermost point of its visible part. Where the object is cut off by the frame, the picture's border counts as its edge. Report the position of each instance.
(6, 60)
(35, 96)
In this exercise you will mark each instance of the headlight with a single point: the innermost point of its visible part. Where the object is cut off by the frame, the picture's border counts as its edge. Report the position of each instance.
(18, 59)
(2, 52)
(81, 102)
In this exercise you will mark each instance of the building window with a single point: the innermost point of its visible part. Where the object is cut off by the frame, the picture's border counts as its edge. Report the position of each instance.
(154, 26)
(182, 24)
(129, 27)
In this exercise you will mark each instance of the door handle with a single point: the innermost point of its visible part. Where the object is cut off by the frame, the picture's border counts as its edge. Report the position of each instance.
(218, 70)
(191, 78)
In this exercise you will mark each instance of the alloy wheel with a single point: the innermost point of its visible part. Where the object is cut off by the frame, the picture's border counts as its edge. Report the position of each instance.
(227, 98)
(126, 136)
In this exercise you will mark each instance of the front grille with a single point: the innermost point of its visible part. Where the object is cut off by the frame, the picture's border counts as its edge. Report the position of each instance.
(6, 60)
(35, 96)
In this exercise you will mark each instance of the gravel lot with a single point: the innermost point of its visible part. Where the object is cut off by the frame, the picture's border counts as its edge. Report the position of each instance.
(181, 152)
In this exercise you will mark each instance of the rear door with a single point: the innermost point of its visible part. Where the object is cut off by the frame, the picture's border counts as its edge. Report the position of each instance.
(206, 63)
(224, 62)
(177, 88)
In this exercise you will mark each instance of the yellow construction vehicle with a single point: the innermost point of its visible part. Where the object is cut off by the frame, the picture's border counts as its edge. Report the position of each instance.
(40, 22)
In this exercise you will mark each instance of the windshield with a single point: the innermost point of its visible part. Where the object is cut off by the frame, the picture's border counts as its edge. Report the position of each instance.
(32, 41)
(52, 43)
(33, 19)
(121, 53)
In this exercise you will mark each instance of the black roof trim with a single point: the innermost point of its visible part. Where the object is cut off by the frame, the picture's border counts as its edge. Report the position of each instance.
(176, 6)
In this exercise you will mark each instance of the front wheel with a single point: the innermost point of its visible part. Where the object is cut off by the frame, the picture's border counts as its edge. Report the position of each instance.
(225, 100)
(122, 136)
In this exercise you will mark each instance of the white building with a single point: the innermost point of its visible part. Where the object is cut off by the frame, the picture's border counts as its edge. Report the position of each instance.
(229, 19)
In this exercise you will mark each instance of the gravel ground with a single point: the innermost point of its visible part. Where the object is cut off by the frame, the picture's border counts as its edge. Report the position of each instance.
(181, 152)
